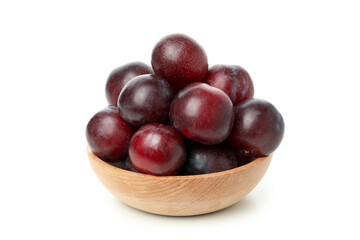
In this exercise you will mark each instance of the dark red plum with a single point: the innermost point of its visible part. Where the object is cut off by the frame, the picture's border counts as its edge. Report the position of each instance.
(258, 128)
(120, 76)
(108, 135)
(204, 159)
(233, 80)
(179, 60)
(126, 165)
(202, 113)
(145, 99)
(157, 149)
(243, 158)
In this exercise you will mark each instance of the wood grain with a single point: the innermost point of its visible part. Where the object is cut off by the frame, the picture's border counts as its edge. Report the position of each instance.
(180, 195)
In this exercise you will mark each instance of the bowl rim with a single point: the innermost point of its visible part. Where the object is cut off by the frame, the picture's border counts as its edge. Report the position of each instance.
(124, 172)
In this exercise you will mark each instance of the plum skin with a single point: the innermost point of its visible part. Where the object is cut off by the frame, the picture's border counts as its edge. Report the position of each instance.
(157, 149)
(258, 128)
(145, 99)
(122, 75)
(108, 135)
(203, 159)
(244, 158)
(179, 60)
(125, 164)
(202, 113)
(234, 80)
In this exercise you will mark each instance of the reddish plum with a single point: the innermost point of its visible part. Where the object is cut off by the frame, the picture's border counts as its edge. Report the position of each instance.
(157, 149)
(258, 128)
(233, 80)
(145, 99)
(108, 135)
(120, 76)
(204, 159)
(179, 60)
(202, 113)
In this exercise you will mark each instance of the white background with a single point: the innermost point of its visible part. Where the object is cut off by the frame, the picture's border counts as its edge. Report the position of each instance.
(303, 56)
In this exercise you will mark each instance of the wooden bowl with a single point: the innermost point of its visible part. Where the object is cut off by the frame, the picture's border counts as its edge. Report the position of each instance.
(180, 195)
